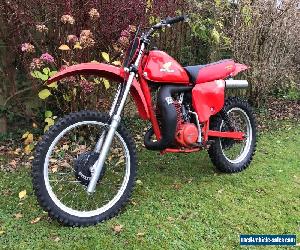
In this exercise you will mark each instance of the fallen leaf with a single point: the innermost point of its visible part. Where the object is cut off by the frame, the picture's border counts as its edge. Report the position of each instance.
(29, 139)
(56, 239)
(118, 228)
(54, 169)
(220, 191)
(170, 218)
(24, 136)
(190, 180)
(17, 151)
(18, 216)
(176, 186)
(13, 163)
(22, 194)
(50, 121)
(2, 232)
(29, 148)
(140, 234)
(36, 220)
(133, 203)
(7, 192)
(139, 182)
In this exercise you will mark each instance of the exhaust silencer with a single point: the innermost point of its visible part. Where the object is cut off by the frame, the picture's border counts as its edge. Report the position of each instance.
(236, 84)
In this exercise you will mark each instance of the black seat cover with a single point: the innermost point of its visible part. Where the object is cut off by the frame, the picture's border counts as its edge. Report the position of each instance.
(193, 71)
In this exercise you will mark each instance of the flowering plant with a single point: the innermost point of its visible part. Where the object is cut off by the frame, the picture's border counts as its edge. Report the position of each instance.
(75, 92)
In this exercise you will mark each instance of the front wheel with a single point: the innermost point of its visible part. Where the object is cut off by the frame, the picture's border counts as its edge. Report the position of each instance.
(62, 169)
(229, 155)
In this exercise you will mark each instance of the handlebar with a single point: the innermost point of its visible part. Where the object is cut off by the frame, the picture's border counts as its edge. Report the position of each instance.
(173, 20)
(169, 21)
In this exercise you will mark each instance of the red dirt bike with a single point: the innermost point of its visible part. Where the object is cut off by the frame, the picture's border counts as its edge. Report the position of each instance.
(85, 166)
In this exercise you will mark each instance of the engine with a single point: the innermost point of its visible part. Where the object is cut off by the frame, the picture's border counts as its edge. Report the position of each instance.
(174, 119)
(186, 132)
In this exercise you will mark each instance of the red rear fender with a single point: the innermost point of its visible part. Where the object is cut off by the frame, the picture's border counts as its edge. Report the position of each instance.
(239, 68)
(109, 72)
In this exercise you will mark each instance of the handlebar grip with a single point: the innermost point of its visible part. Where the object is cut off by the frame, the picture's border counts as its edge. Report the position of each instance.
(176, 19)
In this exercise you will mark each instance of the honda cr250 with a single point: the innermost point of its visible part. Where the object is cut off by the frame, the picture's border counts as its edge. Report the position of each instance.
(85, 166)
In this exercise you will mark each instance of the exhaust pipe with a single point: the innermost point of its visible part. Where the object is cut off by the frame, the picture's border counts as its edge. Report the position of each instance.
(236, 84)
(168, 118)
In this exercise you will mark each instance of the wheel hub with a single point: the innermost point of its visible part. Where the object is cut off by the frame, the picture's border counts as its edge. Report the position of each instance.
(83, 165)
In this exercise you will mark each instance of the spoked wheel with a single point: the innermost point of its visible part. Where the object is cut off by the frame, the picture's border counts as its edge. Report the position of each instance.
(63, 167)
(231, 155)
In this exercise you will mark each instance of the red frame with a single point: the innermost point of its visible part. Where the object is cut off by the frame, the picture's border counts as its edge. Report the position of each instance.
(142, 96)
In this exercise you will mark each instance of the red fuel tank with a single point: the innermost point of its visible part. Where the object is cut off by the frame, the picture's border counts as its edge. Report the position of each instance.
(162, 68)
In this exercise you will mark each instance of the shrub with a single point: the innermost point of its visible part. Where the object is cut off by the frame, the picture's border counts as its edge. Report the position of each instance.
(267, 39)
(44, 36)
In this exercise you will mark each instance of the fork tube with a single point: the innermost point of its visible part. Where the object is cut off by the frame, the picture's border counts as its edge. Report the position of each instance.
(97, 168)
(112, 109)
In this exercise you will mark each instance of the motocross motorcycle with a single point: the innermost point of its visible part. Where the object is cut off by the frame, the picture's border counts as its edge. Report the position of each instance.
(85, 166)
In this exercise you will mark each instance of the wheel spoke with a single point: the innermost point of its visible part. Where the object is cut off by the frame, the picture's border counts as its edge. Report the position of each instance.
(236, 151)
(69, 169)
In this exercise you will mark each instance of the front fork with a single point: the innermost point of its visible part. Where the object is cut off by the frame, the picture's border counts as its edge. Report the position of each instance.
(105, 140)
(104, 133)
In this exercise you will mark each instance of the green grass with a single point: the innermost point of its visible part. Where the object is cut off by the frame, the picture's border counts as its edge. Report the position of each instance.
(182, 203)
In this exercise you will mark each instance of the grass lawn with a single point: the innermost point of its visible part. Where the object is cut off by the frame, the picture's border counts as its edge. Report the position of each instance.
(180, 203)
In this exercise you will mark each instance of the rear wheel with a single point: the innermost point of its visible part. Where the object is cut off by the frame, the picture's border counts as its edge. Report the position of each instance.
(231, 155)
(63, 165)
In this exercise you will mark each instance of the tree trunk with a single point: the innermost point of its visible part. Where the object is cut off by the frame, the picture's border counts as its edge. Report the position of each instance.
(3, 124)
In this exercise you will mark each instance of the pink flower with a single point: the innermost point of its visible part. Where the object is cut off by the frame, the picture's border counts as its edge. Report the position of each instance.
(41, 28)
(72, 39)
(36, 64)
(67, 19)
(87, 86)
(132, 28)
(27, 47)
(71, 80)
(46, 57)
(125, 33)
(94, 14)
(124, 41)
(86, 39)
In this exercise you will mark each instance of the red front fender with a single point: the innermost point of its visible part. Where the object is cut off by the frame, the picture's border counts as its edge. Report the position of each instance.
(110, 72)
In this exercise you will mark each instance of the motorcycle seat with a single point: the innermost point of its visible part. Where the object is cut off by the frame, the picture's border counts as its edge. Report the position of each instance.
(210, 72)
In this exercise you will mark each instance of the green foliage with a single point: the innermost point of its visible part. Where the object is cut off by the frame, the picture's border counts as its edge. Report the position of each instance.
(291, 91)
(105, 56)
(247, 14)
(210, 28)
(44, 94)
